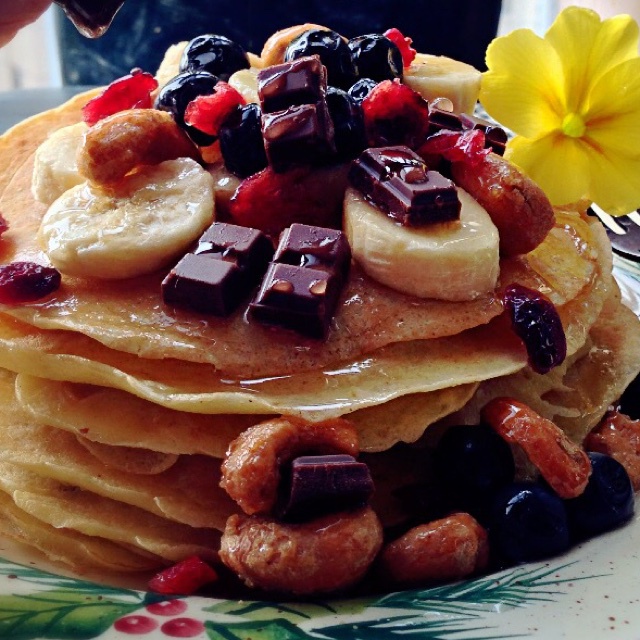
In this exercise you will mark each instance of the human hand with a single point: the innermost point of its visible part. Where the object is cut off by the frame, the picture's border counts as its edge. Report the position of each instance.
(17, 14)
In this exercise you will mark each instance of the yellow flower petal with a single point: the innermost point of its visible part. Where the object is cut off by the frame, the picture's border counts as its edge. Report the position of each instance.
(590, 48)
(558, 164)
(523, 87)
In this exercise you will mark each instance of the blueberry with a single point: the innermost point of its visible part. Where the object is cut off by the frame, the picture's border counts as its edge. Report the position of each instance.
(376, 57)
(241, 141)
(361, 89)
(179, 92)
(216, 54)
(332, 50)
(347, 122)
(473, 461)
(607, 501)
(527, 522)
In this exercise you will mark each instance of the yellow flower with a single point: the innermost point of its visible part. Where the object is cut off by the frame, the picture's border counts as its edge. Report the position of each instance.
(573, 100)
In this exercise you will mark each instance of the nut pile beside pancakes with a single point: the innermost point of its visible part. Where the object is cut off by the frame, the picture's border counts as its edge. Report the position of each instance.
(118, 409)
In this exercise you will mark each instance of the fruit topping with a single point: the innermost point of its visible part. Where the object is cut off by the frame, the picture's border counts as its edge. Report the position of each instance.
(606, 502)
(527, 522)
(454, 146)
(272, 201)
(207, 113)
(495, 136)
(296, 125)
(332, 50)
(227, 263)
(215, 54)
(315, 485)
(241, 141)
(132, 91)
(395, 114)
(26, 281)
(397, 180)
(176, 95)
(348, 124)
(535, 320)
(403, 43)
(303, 296)
(361, 89)
(376, 57)
(4, 225)
(183, 578)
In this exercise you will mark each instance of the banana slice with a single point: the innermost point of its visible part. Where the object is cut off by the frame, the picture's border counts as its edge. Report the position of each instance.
(245, 81)
(170, 66)
(441, 77)
(55, 167)
(151, 218)
(449, 261)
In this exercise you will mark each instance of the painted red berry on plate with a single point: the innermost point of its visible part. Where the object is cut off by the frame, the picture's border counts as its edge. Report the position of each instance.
(135, 625)
(182, 628)
(132, 91)
(168, 607)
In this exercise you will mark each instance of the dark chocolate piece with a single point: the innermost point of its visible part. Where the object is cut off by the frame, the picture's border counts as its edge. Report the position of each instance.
(248, 248)
(397, 180)
(301, 134)
(440, 119)
(495, 136)
(204, 284)
(316, 247)
(298, 298)
(325, 484)
(91, 17)
(302, 81)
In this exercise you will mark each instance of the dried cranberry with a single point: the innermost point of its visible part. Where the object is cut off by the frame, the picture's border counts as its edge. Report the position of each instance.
(183, 578)
(4, 225)
(456, 146)
(26, 281)
(403, 43)
(132, 91)
(535, 320)
(207, 113)
(395, 114)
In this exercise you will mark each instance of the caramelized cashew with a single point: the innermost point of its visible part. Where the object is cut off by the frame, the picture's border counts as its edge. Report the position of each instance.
(562, 463)
(618, 436)
(251, 469)
(517, 206)
(447, 549)
(120, 143)
(327, 554)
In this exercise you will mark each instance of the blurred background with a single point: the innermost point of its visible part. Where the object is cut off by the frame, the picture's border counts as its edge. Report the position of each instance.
(50, 53)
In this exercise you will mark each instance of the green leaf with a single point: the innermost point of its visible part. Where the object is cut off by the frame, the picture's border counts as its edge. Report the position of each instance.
(59, 614)
(266, 630)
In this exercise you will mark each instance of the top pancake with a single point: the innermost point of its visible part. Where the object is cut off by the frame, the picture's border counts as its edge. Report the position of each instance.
(130, 316)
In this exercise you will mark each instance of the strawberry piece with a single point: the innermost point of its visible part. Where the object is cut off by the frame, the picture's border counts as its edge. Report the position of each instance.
(132, 91)
(183, 578)
(395, 114)
(207, 113)
(404, 44)
(455, 146)
(272, 201)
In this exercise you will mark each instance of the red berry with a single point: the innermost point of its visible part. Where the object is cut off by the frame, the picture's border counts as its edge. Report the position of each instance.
(26, 282)
(403, 43)
(207, 113)
(183, 578)
(535, 320)
(167, 607)
(182, 628)
(456, 146)
(272, 201)
(4, 225)
(135, 625)
(395, 114)
(132, 91)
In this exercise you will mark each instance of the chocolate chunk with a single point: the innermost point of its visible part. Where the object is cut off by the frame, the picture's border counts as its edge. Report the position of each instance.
(203, 284)
(440, 119)
(298, 298)
(397, 180)
(316, 247)
(301, 134)
(495, 136)
(247, 248)
(325, 484)
(302, 81)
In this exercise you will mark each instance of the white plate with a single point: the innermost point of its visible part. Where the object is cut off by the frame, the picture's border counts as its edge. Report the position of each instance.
(591, 592)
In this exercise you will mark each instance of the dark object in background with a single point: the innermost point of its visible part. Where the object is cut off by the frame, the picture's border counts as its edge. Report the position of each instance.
(143, 29)
(91, 17)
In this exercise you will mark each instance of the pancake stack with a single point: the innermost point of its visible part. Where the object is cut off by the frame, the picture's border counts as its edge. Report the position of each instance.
(117, 409)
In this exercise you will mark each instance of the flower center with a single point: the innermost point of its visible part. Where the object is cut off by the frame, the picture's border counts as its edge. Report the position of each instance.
(573, 125)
